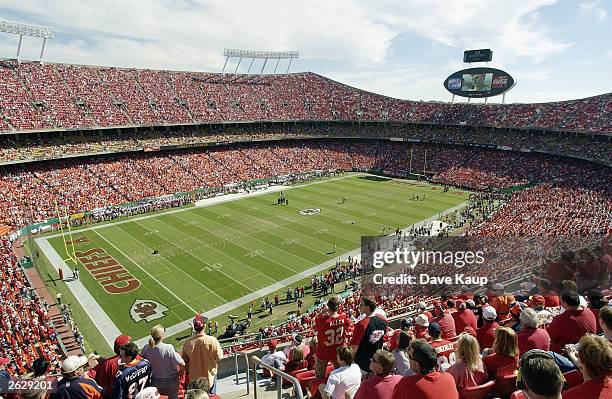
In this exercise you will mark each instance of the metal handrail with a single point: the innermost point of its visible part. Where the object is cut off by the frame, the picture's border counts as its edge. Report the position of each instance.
(246, 362)
(280, 376)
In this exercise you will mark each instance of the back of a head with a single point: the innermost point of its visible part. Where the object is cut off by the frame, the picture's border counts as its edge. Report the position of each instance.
(345, 353)
(540, 374)
(529, 318)
(424, 354)
(571, 298)
(196, 394)
(157, 333)
(40, 366)
(605, 315)
(200, 383)
(369, 302)
(595, 354)
(403, 340)
(333, 303)
(386, 360)
(506, 342)
(469, 351)
(130, 350)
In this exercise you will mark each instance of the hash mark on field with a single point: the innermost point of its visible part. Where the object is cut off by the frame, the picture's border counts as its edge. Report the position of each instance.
(291, 241)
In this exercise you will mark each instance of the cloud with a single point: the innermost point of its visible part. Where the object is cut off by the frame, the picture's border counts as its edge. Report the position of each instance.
(592, 10)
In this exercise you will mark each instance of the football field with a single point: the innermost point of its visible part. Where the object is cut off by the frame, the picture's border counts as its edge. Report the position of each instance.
(222, 256)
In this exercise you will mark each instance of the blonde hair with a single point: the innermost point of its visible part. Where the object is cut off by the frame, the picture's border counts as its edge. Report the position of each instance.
(469, 351)
(157, 333)
(506, 342)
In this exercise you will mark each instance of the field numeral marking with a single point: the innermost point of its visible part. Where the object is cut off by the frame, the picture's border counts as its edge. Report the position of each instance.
(213, 267)
(150, 233)
(291, 241)
(254, 253)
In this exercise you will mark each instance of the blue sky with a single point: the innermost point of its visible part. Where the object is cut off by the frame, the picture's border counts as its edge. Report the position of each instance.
(556, 50)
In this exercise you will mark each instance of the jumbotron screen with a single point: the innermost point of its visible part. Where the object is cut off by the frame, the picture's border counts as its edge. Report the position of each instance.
(479, 82)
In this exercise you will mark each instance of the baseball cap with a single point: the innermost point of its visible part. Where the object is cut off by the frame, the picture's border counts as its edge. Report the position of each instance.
(148, 393)
(422, 305)
(72, 363)
(537, 300)
(199, 322)
(122, 340)
(434, 328)
(516, 308)
(489, 313)
(460, 304)
(498, 287)
(297, 339)
(273, 344)
(470, 303)
(422, 320)
(4, 361)
(405, 324)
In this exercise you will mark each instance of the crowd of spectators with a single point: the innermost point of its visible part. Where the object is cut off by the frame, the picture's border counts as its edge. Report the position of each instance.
(36, 96)
(30, 147)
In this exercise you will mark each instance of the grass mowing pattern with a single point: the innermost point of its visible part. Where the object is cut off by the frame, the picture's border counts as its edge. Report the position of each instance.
(211, 255)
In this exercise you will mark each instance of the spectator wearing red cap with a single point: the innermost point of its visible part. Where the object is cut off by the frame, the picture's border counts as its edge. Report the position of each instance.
(486, 333)
(106, 370)
(202, 353)
(530, 336)
(463, 317)
(569, 326)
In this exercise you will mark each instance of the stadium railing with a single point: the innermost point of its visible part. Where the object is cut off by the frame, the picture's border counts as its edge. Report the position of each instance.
(246, 362)
(280, 376)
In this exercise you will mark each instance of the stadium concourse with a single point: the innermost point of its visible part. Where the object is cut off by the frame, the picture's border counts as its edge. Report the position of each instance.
(561, 195)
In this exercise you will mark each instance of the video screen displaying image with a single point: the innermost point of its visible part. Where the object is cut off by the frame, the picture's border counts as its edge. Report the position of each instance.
(477, 82)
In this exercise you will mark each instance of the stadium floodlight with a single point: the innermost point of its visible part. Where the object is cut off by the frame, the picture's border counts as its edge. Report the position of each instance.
(17, 28)
(261, 55)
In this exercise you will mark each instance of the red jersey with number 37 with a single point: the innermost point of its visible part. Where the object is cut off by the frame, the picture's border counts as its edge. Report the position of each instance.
(331, 333)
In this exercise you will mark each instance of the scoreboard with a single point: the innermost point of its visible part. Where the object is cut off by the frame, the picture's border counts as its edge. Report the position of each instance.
(483, 55)
(479, 82)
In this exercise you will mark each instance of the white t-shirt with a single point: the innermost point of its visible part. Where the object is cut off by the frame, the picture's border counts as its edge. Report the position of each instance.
(270, 358)
(343, 379)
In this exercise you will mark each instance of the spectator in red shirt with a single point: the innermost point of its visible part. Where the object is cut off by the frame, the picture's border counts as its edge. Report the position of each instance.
(541, 378)
(502, 359)
(569, 326)
(445, 349)
(486, 333)
(550, 296)
(463, 317)
(420, 327)
(106, 370)
(530, 336)
(422, 309)
(446, 322)
(381, 385)
(595, 359)
(427, 383)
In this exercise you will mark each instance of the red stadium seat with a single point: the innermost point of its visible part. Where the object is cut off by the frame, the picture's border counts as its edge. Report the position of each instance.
(504, 386)
(573, 378)
(478, 391)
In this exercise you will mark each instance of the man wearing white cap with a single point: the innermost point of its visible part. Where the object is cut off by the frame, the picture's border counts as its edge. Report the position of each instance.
(420, 326)
(486, 333)
(73, 385)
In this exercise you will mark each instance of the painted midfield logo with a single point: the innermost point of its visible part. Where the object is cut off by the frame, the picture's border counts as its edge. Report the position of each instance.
(310, 211)
(147, 310)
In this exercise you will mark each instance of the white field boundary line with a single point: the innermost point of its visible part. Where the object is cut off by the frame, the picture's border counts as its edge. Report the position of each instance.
(179, 327)
(213, 201)
(94, 311)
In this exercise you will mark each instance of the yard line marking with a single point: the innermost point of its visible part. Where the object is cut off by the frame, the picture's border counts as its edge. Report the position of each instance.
(221, 199)
(174, 267)
(147, 273)
(220, 310)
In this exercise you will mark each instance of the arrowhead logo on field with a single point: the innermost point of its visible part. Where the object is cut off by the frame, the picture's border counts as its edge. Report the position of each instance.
(147, 310)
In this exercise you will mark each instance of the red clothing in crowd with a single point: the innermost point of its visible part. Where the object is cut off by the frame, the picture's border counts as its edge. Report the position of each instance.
(551, 300)
(105, 374)
(435, 385)
(377, 387)
(592, 389)
(421, 332)
(464, 318)
(533, 338)
(557, 271)
(445, 351)
(331, 334)
(447, 325)
(500, 365)
(569, 326)
(486, 334)
(428, 314)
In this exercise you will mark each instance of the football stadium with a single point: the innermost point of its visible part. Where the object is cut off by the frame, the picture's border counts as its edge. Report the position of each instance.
(177, 232)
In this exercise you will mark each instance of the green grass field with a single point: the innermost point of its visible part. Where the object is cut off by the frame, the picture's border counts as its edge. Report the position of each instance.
(211, 255)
